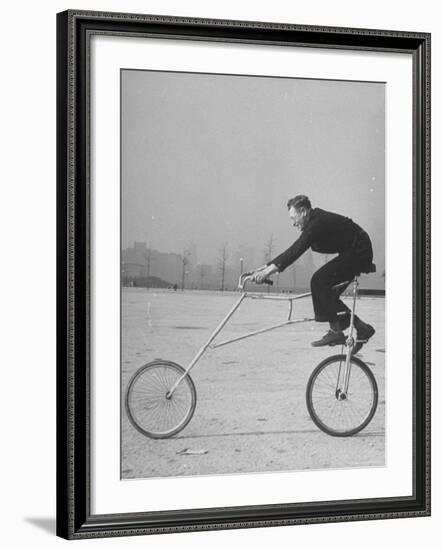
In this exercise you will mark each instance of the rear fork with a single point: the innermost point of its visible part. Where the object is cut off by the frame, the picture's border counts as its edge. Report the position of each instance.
(343, 380)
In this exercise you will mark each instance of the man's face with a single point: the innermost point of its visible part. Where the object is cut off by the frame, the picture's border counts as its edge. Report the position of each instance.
(298, 217)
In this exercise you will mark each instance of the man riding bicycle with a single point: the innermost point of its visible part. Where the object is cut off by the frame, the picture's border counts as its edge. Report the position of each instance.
(327, 233)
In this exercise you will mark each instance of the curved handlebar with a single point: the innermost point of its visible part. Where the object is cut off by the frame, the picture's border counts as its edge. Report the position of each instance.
(247, 276)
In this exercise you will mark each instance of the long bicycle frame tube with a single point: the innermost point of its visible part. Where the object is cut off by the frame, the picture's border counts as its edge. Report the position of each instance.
(260, 331)
(207, 344)
(218, 329)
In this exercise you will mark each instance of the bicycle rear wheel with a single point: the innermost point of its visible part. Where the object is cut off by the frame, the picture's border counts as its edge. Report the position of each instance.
(151, 410)
(334, 412)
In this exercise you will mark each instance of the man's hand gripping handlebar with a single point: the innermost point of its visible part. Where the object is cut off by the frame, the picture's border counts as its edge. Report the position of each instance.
(249, 276)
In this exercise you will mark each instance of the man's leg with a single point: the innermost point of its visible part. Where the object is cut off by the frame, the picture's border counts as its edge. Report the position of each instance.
(327, 304)
(329, 307)
(364, 331)
(343, 312)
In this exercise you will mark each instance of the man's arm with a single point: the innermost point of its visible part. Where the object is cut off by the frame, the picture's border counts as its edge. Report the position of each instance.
(293, 252)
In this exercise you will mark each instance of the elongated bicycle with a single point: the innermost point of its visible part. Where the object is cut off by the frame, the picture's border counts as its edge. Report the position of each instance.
(341, 394)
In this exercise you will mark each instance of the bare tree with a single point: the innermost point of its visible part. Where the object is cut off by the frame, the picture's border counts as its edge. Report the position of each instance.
(202, 272)
(184, 262)
(268, 252)
(222, 263)
(269, 248)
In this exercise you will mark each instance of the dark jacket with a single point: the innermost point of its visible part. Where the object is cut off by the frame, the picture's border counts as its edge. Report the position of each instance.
(329, 233)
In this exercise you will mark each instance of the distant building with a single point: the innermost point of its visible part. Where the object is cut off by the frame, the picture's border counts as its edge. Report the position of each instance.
(141, 262)
(167, 266)
(134, 262)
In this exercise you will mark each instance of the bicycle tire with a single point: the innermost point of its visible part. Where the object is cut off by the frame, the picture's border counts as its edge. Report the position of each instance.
(314, 398)
(146, 396)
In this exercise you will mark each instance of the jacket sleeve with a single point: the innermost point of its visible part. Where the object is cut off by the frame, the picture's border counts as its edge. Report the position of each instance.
(294, 251)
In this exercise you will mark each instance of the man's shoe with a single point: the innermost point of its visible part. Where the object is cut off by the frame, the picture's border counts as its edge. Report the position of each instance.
(330, 339)
(362, 337)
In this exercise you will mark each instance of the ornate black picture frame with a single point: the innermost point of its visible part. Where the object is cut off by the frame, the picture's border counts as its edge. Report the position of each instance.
(74, 517)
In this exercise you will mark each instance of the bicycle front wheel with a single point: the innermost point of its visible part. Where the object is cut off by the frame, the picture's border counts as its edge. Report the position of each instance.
(337, 413)
(149, 406)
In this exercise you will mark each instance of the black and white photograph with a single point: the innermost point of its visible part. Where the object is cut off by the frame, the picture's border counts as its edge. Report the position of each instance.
(243, 274)
(253, 273)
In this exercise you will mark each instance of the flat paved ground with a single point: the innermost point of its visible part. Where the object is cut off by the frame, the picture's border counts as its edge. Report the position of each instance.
(251, 414)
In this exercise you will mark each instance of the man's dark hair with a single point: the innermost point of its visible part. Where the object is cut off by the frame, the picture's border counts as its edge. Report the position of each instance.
(300, 201)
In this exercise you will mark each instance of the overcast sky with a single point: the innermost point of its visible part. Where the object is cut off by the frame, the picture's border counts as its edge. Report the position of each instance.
(208, 159)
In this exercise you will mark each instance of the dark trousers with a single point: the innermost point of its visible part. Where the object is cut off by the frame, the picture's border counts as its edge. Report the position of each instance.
(327, 304)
